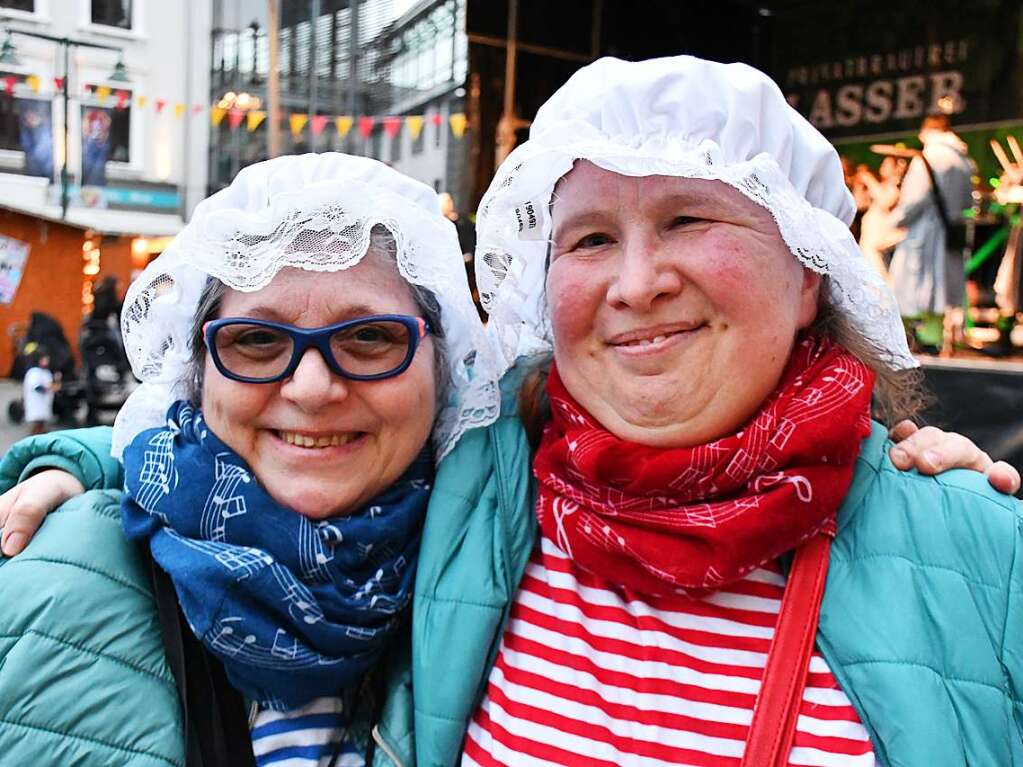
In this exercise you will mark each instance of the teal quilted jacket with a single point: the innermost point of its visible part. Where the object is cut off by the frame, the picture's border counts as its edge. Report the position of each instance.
(920, 622)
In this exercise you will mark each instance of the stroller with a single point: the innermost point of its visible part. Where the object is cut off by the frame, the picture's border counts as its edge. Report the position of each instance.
(44, 332)
(107, 373)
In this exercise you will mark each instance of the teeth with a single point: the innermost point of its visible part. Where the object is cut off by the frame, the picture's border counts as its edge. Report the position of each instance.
(304, 440)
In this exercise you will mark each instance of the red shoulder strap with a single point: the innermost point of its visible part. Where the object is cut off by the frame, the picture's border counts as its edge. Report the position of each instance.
(781, 692)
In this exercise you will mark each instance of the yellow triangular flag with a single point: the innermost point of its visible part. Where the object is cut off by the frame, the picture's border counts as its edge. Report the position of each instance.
(179, 110)
(297, 123)
(254, 119)
(33, 82)
(140, 102)
(102, 93)
(459, 122)
(414, 123)
(217, 115)
(343, 125)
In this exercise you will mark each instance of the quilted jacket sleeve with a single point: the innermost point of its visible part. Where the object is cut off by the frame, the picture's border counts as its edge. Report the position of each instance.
(84, 453)
(83, 675)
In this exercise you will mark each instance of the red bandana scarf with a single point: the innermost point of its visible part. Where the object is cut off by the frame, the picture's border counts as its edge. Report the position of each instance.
(667, 520)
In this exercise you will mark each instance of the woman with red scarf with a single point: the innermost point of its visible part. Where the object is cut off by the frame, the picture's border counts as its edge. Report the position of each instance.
(725, 568)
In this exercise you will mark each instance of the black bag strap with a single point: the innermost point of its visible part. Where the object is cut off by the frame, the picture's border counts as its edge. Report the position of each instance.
(216, 725)
(936, 193)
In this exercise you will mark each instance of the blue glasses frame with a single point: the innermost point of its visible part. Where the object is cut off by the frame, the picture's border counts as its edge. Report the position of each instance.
(303, 339)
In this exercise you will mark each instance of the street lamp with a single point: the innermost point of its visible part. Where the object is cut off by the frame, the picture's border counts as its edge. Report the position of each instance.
(8, 55)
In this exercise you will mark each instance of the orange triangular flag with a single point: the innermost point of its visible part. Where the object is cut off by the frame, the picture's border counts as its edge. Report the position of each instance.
(297, 123)
(33, 82)
(459, 122)
(140, 102)
(179, 109)
(343, 125)
(414, 123)
(102, 93)
(217, 115)
(254, 119)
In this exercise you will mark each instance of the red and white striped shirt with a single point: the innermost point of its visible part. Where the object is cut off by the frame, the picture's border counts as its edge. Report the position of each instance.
(589, 675)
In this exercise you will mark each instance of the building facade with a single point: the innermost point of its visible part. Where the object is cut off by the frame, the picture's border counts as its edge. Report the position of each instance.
(136, 128)
(379, 78)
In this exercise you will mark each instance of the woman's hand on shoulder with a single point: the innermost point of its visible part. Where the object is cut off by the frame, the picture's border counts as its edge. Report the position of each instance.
(23, 507)
(930, 450)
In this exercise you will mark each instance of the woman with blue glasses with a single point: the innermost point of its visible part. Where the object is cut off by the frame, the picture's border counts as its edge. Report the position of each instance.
(308, 351)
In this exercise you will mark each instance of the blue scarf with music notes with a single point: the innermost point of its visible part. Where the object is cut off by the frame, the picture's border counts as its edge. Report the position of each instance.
(296, 609)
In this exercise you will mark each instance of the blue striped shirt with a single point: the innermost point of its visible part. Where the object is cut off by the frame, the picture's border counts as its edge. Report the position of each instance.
(303, 737)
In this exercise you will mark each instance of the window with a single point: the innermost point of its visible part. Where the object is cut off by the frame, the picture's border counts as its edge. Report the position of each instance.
(396, 147)
(29, 6)
(419, 141)
(26, 125)
(112, 13)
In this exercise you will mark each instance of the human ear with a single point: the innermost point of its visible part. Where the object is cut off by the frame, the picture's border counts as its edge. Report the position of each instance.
(809, 298)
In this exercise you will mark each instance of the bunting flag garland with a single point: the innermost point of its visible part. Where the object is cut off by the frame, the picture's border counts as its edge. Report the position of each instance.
(343, 125)
(391, 126)
(297, 123)
(366, 126)
(414, 123)
(459, 122)
(254, 119)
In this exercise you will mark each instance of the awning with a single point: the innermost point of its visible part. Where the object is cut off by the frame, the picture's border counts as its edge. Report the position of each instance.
(104, 221)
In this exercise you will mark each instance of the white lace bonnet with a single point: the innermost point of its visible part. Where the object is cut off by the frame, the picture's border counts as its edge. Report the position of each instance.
(684, 117)
(314, 212)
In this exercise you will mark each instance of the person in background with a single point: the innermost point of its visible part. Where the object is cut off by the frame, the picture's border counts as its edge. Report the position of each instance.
(38, 387)
(877, 236)
(927, 269)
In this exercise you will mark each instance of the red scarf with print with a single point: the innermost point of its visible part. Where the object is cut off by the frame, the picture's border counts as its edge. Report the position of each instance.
(670, 520)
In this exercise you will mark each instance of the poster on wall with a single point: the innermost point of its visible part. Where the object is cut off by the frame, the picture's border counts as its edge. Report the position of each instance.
(35, 132)
(95, 146)
(13, 254)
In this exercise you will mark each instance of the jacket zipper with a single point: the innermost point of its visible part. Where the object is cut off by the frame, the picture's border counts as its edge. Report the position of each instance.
(386, 748)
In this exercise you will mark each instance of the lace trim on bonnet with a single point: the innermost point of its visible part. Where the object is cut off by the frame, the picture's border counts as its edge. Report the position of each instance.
(324, 227)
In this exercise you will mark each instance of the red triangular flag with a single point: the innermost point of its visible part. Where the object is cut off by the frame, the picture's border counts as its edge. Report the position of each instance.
(9, 83)
(197, 109)
(391, 126)
(235, 117)
(437, 118)
(58, 83)
(365, 126)
(122, 99)
(160, 104)
(317, 124)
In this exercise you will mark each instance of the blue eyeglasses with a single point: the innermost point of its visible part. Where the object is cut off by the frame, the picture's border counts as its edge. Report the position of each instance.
(364, 349)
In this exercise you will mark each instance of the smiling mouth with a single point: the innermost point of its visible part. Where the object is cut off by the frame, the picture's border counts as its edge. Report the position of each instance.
(653, 336)
(319, 441)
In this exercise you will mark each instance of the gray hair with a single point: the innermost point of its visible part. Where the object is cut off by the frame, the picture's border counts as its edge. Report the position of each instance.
(382, 245)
